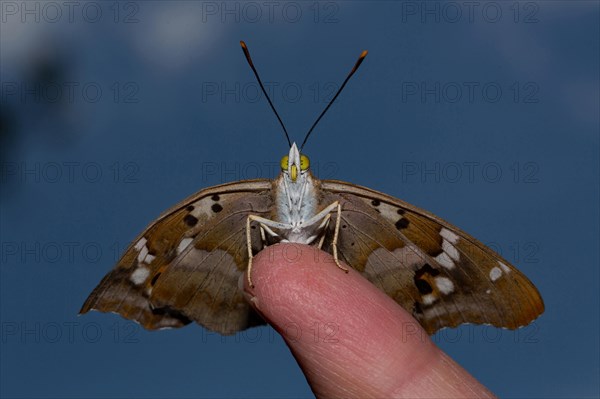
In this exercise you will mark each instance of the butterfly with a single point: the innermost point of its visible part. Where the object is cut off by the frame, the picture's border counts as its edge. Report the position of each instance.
(185, 266)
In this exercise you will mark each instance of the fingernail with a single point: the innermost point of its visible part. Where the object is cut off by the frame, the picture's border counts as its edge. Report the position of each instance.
(248, 296)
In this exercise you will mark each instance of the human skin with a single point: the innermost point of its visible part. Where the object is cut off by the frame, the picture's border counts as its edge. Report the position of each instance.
(350, 339)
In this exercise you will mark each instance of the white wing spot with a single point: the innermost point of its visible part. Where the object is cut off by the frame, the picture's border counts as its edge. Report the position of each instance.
(142, 254)
(449, 235)
(504, 268)
(444, 260)
(149, 258)
(488, 291)
(388, 211)
(139, 275)
(495, 273)
(450, 250)
(183, 244)
(444, 284)
(429, 299)
(202, 208)
(140, 244)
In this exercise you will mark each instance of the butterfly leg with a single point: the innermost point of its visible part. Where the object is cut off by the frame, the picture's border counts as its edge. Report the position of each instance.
(336, 235)
(263, 237)
(265, 225)
(325, 216)
(322, 227)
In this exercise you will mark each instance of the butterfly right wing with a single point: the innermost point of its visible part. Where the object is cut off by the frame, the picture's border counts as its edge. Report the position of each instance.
(186, 265)
(442, 275)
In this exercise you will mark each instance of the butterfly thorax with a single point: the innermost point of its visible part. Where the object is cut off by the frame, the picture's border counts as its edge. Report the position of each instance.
(296, 198)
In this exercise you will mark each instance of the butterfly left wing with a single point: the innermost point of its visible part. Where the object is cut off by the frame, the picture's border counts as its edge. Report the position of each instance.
(186, 265)
(442, 275)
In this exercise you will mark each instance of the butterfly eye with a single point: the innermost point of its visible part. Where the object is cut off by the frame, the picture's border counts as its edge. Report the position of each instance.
(304, 162)
(284, 162)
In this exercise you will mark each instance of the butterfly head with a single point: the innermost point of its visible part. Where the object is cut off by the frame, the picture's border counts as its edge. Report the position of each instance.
(294, 164)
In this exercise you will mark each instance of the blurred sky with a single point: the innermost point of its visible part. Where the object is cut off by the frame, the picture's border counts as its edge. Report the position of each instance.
(483, 113)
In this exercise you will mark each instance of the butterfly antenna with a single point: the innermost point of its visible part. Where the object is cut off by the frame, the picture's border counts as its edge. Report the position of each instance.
(358, 62)
(249, 59)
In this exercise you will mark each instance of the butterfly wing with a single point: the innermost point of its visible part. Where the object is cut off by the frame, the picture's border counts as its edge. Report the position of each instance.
(186, 265)
(442, 275)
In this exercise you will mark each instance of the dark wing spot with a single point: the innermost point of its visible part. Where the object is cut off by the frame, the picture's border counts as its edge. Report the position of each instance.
(435, 252)
(190, 220)
(189, 208)
(344, 226)
(375, 202)
(402, 223)
(423, 286)
(216, 208)
(422, 278)
(417, 308)
(426, 269)
(400, 211)
(215, 197)
(154, 279)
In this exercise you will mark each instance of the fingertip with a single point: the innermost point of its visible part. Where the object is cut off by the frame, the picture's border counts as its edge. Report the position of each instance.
(336, 323)
(349, 337)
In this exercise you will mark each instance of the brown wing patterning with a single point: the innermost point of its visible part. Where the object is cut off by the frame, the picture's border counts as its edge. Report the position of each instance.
(185, 266)
(440, 274)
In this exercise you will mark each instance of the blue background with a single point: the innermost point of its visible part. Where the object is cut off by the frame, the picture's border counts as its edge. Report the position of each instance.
(108, 119)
